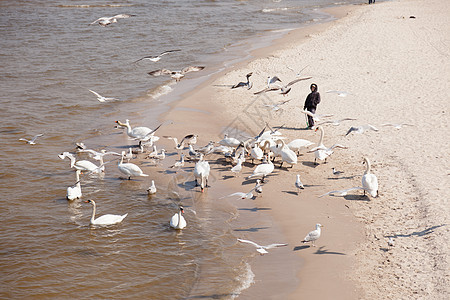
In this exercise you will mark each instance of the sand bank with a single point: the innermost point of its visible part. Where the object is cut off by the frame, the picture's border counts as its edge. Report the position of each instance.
(393, 59)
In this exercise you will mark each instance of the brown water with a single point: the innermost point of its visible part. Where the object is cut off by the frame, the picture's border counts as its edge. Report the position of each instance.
(50, 58)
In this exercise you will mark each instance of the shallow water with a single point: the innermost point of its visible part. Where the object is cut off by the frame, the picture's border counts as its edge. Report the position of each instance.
(50, 59)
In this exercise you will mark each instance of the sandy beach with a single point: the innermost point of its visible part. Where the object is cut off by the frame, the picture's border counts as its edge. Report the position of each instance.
(393, 60)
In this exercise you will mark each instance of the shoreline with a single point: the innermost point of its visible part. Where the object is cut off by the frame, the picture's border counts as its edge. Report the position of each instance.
(188, 109)
(352, 258)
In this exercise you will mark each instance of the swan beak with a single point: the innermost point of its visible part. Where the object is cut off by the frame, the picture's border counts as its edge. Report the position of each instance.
(202, 189)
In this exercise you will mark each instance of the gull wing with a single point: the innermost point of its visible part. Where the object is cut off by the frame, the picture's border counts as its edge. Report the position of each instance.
(123, 16)
(191, 69)
(297, 80)
(342, 193)
(95, 93)
(169, 51)
(100, 19)
(249, 242)
(262, 91)
(160, 72)
(274, 246)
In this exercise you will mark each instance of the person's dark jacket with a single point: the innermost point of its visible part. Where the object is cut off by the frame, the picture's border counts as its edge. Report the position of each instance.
(312, 100)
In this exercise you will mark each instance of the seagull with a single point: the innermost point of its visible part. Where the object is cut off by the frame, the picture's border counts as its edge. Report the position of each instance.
(241, 195)
(100, 98)
(156, 58)
(299, 73)
(247, 84)
(391, 242)
(177, 75)
(336, 172)
(299, 184)
(33, 139)
(397, 126)
(262, 249)
(105, 21)
(313, 235)
(339, 93)
(336, 122)
(361, 129)
(258, 186)
(276, 107)
(179, 163)
(152, 189)
(284, 89)
(342, 193)
(237, 168)
(316, 117)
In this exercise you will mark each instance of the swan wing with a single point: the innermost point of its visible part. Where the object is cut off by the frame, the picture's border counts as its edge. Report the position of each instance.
(109, 219)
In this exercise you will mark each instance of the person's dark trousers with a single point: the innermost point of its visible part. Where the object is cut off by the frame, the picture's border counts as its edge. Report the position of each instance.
(310, 119)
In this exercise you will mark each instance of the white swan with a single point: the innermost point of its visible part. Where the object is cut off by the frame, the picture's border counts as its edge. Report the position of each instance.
(297, 144)
(287, 155)
(201, 171)
(263, 169)
(369, 180)
(74, 192)
(313, 235)
(105, 219)
(321, 152)
(229, 141)
(82, 165)
(256, 152)
(129, 169)
(140, 133)
(177, 221)
(152, 189)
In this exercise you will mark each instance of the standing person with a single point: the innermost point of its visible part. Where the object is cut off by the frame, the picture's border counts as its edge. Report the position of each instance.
(311, 103)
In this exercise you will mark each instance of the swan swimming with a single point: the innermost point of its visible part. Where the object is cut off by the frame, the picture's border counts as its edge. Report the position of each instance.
(74, 192)
(177, 221)
(105, 219)
(129, 169)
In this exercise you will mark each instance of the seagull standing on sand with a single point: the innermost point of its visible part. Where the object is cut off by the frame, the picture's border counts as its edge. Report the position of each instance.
(391, 242)
(105, 21)
(336, 172)
(100, 98)
(261, 249)
(155, 58)
(177, 75)
(33, 139)
(299, 184)
(247, 84)
(313, 235)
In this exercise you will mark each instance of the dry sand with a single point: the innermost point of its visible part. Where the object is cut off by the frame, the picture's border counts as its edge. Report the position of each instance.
(397, 70)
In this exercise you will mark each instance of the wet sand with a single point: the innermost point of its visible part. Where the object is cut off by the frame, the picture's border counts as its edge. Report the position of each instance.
(388, 62)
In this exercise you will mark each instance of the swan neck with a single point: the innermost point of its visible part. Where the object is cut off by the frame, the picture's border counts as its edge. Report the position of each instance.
(367, 166)
(93, 212)
(321, 135)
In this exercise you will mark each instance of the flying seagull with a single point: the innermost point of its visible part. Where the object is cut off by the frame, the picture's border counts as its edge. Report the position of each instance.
(361, 129)
(177, 75)
(342, 193)
(397, 126)
(261, 249)
(316, 117)
(105, 21)
(100, 98)
(156, 58)
(272, 85)
(339, 93)
(247, 84)
(336, 122)
(276, 107)
(299, 73)
(33, 139)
